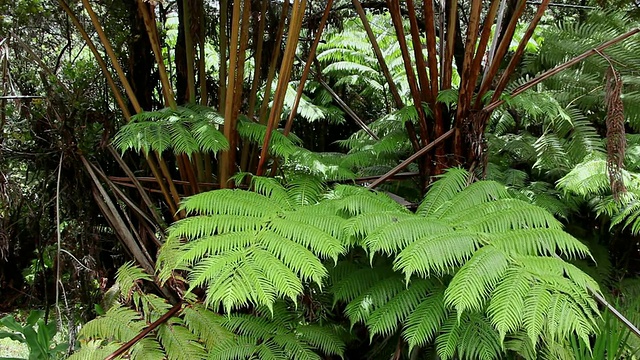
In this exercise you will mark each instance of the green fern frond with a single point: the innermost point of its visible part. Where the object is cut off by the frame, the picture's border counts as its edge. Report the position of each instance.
(128, 277)
(326, 341)
(147, 348)
(471, 286)
(475, 194)
(119, 324)
(437, 253)
(179, 342)
(393, 236)
(184, 130)
(447, 341)
(94, 350)
(478, 339)
(443, 190)
(272, 189)
(424, 322)
(361, 308)
(230, 202)
(540, 241)
(385, 319)
(305, 189)
(206, 325)
(507, 301)
(350, 281)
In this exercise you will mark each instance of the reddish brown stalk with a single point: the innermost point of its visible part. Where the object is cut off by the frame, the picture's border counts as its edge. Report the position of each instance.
(432, 57)
(547, 74)
(223, 40)
(283, 79)
(394, 9)
(515, 60)
(466, 89)
(112, 56)
(228, 158)
(500, 53)
(152, 31)
(378, 52)
(255, 83)
(447, 62)
(385, 71)
(410, 159)
(174, 311)
(307, 67)
(476, 66)
(273, 63)
(421, 65)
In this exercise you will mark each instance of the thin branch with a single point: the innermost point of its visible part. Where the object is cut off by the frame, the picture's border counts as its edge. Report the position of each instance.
(175, 310)
(410, 159)
(549, 73)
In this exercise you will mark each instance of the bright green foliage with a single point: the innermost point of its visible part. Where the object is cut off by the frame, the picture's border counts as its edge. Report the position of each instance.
(184, 131)
(199, 333)
(474, 272)
(251, 248)
(499, 252)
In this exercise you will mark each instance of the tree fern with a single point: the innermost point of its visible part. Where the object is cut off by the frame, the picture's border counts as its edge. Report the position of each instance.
(256, 261)
(184, 130)
(488, 249)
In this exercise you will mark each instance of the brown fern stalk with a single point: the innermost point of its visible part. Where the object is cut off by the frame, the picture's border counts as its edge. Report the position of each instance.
(297, 17)
(307, 67)
(616, 136)
(396, 16)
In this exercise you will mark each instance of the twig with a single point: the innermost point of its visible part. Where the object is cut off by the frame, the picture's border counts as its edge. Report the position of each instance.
(410, 159)
(58, 266)
(174, 311)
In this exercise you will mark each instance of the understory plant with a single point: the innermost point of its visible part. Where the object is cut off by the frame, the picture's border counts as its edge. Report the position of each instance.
(286, 274)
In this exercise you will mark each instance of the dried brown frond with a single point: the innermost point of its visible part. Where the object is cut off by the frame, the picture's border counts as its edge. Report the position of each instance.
(616, 139)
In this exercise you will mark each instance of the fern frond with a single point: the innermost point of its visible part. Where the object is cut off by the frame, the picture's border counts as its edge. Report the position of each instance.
(318, 337)
(128, 277)
(385, 319)
(119, 324)
(178, 342)
(424, 322)
(206, 325)
(230, 202)
(392, 237)
(94, 350)
(437, 253)
(475, 194)
(448, 339)
(506, 307)
(443, 190)
(539, 241)
(361, 308)
(470, 287)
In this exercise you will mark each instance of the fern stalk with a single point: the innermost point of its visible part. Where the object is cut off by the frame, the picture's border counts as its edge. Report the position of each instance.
(228, 158)
(255, 83)
(174, 311)
(295, 24)
(307, 67)
(549, 73)
(502, 84)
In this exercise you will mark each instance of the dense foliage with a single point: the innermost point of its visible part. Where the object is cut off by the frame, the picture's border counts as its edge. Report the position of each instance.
(230, 175)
